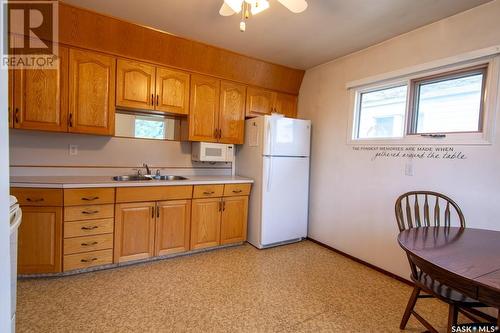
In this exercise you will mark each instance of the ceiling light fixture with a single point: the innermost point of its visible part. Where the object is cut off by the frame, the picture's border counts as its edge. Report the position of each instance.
(254, 7)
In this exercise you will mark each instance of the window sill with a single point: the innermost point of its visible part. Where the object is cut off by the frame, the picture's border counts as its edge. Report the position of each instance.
(477, 139)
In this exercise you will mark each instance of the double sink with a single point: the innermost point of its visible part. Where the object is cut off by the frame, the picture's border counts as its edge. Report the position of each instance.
(134, 178)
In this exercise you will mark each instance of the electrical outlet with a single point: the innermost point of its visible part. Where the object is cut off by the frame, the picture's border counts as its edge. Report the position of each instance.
(409, 168)
(73, 150)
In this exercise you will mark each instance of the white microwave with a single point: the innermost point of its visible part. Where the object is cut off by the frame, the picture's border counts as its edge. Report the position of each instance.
(212, 152)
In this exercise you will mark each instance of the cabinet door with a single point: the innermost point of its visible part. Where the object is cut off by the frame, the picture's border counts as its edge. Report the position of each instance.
(259, 102)
(232, 112)
(134, 231)
(172, 91)
(234, 220)
(173, 222)
(204, 108)
(11, 98)
(41, 97)
(40, 240)
(205, 223)
(135, 85)
(286, 105)
(91, 93)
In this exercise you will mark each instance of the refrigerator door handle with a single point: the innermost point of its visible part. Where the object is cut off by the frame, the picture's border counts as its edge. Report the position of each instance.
(269, 138)
(269, 173)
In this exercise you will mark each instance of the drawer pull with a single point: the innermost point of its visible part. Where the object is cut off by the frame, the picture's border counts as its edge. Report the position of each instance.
(90, 199)
(88, 260)
(90, 228)
(237, 191)
(90, 244)
(35, 200)
(208, 192)
(90, 212)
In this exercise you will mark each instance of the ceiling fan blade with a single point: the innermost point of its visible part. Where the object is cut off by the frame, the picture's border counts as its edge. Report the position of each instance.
(225, 10)
(295, 6)
(235, 5)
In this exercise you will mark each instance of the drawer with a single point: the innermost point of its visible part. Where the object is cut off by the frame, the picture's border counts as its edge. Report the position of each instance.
(236, 189)
(89, 196)
(88, 212)
(208, 191)
(38, 196)
(88, 243)
(88, 228)
(88, 259)
(153, 193)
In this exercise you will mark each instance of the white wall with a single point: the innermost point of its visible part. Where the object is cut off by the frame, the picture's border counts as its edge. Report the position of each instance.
(352, 198)
(45, 149)
(4, 204)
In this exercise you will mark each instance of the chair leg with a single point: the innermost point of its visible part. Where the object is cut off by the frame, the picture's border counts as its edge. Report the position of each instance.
(409, 307)
(452, 316)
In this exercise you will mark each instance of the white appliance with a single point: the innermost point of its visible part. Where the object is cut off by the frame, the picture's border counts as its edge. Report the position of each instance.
(212, 152)
(276, 156)
(15, 221)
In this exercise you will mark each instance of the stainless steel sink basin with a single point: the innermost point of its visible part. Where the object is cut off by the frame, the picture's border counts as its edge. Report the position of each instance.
(131, 178)
(134, 178)
(168, 177)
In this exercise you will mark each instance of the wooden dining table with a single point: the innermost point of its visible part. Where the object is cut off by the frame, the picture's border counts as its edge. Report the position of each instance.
(468, 260)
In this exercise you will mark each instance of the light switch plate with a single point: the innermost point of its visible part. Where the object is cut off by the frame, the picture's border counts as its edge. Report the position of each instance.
(73, 150)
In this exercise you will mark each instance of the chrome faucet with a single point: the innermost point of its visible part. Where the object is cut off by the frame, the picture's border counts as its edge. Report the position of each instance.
(148, 172)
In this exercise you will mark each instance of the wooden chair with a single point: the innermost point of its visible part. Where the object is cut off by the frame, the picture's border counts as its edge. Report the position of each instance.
(410, 214)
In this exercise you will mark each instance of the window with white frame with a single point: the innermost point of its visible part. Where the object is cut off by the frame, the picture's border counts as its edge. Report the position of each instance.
(450, 103)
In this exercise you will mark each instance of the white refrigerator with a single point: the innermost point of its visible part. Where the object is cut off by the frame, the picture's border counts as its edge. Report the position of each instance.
(276, 155)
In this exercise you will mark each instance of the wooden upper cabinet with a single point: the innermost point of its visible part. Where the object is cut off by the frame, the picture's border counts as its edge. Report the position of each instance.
(11, 98)
(234, 220)
(135, 85)
(173, 225)
(259, 102)
(40, 240)
(172, 91)
(204, 108)
(286, 105)
(91, 93)
(41, 97)
(205, 223)
(134, 231)
(232, 112)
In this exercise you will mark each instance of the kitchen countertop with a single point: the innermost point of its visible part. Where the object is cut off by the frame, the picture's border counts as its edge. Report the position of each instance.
(107, 181)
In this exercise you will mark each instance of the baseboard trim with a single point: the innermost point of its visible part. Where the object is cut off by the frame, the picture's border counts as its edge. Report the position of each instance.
(378, 269)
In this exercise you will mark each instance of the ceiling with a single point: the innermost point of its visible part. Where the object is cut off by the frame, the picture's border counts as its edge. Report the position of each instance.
(328, 29)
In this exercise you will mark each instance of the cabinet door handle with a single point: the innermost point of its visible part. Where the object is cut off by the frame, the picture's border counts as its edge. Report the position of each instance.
(215, 133)
(88, 260)
(237, 191)
(70, 120)
(152, 99)
(89, 228)
(90, 212)
(157, 99)
(89, 244)
(16, 115)
(223, 205)
(220, 206)
(90, 199)
(35, 200)
(157, 211)
(208, 192)
(152, 212)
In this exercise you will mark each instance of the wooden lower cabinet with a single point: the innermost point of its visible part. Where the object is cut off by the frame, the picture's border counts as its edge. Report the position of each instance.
(134, 231)
(234, 220)
(205, 223)
(40, 240)
(173, 225)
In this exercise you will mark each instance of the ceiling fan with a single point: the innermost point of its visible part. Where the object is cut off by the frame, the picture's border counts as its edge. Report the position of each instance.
(253, 7)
